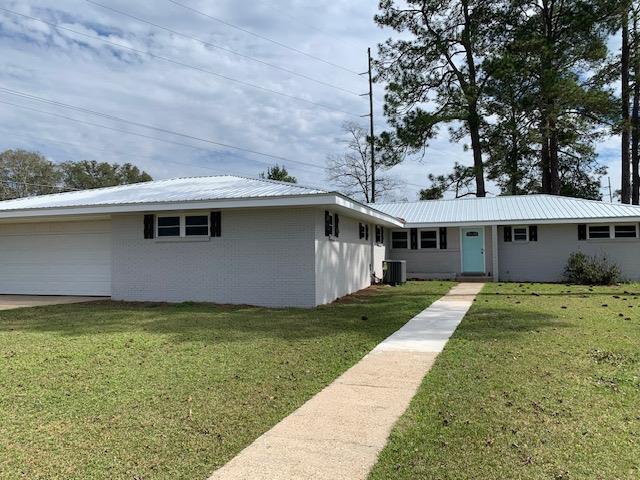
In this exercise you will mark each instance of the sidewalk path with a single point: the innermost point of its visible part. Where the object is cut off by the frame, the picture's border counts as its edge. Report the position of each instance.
(339, 433)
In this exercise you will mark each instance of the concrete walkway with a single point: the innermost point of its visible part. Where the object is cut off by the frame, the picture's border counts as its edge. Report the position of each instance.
(9, 302)
(339, 433)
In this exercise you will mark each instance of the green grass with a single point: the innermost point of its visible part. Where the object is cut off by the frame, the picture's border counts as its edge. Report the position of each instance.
(538, 382)
(143, 391)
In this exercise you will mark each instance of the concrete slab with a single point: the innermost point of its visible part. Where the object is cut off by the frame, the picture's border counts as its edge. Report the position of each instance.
(9, 302)
(339, 433)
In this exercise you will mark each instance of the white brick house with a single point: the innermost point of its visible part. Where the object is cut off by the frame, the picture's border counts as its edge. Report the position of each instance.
(238, 240)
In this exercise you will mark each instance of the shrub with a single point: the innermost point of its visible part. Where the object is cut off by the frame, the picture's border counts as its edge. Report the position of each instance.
(591, 270)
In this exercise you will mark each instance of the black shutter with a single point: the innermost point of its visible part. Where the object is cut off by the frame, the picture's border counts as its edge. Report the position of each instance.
(378, 234)
(443, 238)
(336, 224)
(381, 234)
(414, 239)
(366, 231)
(149, 226)
(328, 224)
(507, 234)
(361, 227)
(215, 228)
(582, 232)
(533, 233)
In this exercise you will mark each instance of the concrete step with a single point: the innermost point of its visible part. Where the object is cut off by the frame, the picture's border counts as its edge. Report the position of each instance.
(474, 278)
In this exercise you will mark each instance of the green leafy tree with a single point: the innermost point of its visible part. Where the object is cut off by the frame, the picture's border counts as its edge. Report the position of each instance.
(24, 173)
(459, 182)
(434, 73)
(92, 174)
(278, 173)
(558, 49)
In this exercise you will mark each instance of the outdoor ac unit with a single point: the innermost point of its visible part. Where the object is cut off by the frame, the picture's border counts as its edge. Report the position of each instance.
(394, 272)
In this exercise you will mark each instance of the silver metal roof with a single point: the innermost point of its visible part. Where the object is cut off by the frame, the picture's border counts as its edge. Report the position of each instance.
(507, 209)
(175, 190)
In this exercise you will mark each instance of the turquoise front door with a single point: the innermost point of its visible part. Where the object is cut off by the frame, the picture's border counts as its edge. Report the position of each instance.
(473, 250)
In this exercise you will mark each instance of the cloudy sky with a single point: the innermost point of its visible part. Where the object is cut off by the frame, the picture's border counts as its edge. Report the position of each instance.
(181, 75)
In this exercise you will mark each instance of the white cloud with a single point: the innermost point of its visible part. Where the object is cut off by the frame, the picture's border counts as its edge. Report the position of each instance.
(69, 68)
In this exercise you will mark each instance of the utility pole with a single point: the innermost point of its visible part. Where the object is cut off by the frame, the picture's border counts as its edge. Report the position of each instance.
(610, 192)
(371, 137)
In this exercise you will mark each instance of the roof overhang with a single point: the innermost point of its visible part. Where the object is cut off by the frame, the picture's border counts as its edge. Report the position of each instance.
(328, 200)
(564, 221)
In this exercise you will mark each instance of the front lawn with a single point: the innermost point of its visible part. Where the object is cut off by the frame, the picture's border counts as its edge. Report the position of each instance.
(147, 391)
(538, 382)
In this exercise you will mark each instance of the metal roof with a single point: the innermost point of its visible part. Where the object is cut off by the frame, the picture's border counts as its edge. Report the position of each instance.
(161, 191)
(506, 209)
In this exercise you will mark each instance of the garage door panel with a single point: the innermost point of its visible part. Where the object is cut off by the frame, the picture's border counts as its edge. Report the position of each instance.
(33, 260)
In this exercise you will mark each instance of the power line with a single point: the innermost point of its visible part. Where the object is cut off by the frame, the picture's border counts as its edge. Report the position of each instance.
(182, 64)
(262, 37)
(277, 157)
(224, 49)
(138, 124)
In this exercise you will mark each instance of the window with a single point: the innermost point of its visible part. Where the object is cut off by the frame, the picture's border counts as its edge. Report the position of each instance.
(196, 225)
(599, 231)
(428, 239)
(183, 226)
(331, 224)
(168, 226)
(520, 234)
(399, 239)
(379, 234)
(362, 230)
(626, 231)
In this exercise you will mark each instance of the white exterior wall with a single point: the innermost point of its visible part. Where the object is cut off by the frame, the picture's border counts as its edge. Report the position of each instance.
(440, 263)
(264, 257)
(546, 259)
(342, 265)
(380, 251)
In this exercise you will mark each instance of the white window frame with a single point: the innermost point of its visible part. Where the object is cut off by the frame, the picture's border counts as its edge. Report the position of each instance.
(183, 225)
(513, 234)
(408, 240)
(437, 247)
(623, 225)
(589, 237)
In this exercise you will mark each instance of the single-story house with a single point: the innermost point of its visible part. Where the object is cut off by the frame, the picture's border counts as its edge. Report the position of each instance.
(229, 239)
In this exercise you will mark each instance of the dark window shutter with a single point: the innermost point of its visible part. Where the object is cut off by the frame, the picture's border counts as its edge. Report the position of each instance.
(215, 224)
(414, 239)
(366, 231)
(582, 232)
(336, 224)
(507, 234)
(328, 224)
(361, 227)
(533, 233)
(378, 234)
(443, 238)
(381, 234)
(149, 226)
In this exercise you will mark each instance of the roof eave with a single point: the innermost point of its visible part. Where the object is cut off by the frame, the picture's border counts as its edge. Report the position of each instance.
(320, 199)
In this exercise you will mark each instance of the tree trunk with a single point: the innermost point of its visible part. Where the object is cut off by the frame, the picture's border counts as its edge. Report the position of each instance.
(554, 166)
(544, 156)
(626, 160)
(478, 166)
(635, 120)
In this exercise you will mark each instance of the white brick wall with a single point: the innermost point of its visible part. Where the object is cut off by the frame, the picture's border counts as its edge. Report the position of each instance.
(264, 257)
(342, 264)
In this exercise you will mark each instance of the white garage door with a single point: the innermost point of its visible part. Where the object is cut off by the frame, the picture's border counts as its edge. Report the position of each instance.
(56, 258)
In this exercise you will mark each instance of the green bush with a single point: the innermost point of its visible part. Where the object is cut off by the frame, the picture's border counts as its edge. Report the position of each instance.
(584, 269)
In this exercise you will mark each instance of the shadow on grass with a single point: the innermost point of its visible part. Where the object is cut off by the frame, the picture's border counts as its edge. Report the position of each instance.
(368, 315)
(484, 323)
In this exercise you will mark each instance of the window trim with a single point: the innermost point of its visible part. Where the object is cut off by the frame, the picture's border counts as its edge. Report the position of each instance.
(635, 225)
(436, 231)
(407, 240)
(513, 234)
(183, 226)
(589, 226)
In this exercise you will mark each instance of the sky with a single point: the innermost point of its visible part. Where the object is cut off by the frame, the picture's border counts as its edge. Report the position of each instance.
(181, 75)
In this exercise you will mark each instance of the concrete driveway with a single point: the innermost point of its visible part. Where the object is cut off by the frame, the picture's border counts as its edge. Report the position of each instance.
(9, 302)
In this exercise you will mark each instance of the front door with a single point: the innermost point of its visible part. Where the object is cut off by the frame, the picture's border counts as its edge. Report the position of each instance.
(473, 250)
